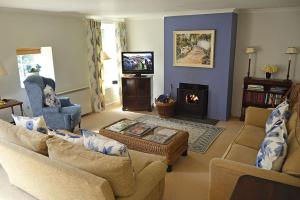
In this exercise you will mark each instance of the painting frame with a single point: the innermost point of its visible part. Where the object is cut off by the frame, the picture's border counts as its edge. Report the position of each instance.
(204, 52)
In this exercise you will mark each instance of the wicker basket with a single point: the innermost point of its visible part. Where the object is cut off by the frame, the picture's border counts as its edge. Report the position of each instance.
(166, 110)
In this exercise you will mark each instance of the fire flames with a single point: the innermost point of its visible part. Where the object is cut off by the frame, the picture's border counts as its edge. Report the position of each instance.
(191, 98)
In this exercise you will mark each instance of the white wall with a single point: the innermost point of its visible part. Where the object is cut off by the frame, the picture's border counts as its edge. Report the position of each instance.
(148, 35)
(67, 37)
(271, 32)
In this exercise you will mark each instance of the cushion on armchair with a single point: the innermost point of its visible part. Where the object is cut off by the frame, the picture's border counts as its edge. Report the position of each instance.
(51, 99)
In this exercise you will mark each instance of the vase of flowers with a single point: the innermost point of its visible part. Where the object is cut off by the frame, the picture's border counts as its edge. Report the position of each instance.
(269, 70)
(33, 70)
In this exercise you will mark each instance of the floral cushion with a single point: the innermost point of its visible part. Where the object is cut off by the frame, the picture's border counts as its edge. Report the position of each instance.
(273, 149)
(280, 112)
(99, 143)
(68, 136)
(31, 123)
(51, 99)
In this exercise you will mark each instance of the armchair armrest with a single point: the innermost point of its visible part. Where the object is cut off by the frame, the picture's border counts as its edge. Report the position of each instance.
(224, 175)
(150, 177)
(51, 109)
(257, 116)
(65, 101)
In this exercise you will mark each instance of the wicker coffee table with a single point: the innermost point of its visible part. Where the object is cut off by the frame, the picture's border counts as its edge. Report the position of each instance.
(177, 146)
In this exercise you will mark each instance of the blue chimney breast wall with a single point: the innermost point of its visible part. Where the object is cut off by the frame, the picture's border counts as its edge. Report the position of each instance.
(219, 78)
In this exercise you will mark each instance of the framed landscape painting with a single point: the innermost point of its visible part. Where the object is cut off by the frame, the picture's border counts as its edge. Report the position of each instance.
(194, 48)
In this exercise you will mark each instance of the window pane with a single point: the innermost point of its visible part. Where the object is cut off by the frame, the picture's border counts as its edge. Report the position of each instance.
(109, 46)
(36, 64)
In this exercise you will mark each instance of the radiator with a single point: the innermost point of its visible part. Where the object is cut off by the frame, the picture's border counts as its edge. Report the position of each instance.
(80, 96)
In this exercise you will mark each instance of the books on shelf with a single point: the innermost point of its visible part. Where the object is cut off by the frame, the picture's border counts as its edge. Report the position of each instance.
(256, 87)
(121, 125)
(278, 90)
(139, 129)
(161, 136)
(258, 98)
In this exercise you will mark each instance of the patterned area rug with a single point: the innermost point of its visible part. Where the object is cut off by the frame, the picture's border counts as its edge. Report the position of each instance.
(201, 136)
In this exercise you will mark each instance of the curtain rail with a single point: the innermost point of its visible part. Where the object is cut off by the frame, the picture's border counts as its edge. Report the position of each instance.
(72, 91)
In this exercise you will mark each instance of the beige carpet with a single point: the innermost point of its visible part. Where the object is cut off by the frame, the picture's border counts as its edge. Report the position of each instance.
(189, 179)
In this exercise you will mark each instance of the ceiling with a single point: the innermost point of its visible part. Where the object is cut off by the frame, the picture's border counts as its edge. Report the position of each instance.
(125, 8)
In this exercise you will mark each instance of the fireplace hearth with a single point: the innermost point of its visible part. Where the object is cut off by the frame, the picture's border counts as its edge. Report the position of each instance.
(192, 100)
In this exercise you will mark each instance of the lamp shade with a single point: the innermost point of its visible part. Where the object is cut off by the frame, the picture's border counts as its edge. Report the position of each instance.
(291, 50)
(104, 56)
(3, 71)
(250, 50)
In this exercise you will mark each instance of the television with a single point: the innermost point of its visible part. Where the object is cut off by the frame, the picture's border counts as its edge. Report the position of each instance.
(137, 63)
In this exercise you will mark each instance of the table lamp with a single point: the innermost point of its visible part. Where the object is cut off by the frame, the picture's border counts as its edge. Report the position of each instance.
(3, 72)
(249, 51)
(290, 51)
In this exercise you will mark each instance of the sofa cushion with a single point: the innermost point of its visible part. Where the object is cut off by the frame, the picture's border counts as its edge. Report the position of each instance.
(116, 170)
(68, 136)
(292, 122)
(251, 136)
(31, 123)
(32, 140)
(141, 160)
(292, 163)
(278, 113)
(240, 153)
(102, 144)
(273, 149)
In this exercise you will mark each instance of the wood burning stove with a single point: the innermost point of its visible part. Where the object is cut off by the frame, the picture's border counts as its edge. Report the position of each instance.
(192, 100)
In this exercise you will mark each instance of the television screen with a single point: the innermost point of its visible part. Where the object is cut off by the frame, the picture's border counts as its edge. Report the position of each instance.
(137, 63)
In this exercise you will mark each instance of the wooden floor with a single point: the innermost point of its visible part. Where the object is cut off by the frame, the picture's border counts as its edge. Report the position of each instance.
(187, 181)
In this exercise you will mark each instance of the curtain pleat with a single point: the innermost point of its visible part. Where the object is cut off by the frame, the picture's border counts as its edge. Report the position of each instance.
(95, 65)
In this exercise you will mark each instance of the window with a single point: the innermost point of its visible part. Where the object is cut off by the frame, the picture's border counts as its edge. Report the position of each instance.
(109, 47)
(35, 61)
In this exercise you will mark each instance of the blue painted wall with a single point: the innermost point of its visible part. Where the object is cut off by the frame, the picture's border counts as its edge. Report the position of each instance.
(219, 79)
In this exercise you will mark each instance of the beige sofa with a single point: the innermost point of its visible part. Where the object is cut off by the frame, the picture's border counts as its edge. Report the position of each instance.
(47, 179)
(240, 157)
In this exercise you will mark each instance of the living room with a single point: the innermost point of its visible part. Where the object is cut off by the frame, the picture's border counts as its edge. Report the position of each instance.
(248, 51)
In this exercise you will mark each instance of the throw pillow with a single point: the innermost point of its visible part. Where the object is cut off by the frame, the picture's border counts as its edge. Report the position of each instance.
(51, 99)
(273, 149)
(278, 130)
(19, 135)
(68, 136)
(31, 123)
(116, 170)
(280, 112)
(99, 143)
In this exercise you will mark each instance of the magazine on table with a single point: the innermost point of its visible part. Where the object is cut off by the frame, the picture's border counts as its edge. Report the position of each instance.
(161, 136)
(121, 125)
(139, 129)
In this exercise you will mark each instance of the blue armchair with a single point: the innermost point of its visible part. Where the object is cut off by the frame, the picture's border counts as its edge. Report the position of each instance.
(65, 117)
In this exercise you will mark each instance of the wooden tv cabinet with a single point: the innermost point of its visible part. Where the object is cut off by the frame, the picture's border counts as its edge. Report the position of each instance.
(137, 93)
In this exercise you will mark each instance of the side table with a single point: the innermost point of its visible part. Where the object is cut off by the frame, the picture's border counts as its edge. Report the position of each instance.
(11, 103)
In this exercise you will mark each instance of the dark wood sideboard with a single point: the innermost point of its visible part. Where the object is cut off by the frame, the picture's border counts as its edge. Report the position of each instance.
(137, 93)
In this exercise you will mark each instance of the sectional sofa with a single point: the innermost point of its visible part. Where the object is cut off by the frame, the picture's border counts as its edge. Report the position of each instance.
(24, 157)
(240, 157)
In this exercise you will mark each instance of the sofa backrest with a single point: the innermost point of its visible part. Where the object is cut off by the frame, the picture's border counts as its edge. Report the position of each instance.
(48, 179)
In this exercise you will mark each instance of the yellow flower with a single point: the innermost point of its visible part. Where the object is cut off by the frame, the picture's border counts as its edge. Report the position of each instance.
(270, 69)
